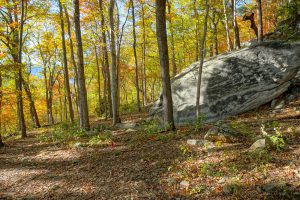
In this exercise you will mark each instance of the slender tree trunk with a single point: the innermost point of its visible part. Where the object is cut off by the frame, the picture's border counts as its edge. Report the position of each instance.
(106, 62)
(144, 79)
(135, 59)
(214, 25)
(229, 45)
(72, 57)
(33, 111)
(66, 70)
(84, 113)
(201, 60)
(1, 95)
(161, 33)
(18, 40)
(196, 31)
(237, 44)
(60, 103)
(259, 20)
(114, 77)
(98, 80)
(174, 67)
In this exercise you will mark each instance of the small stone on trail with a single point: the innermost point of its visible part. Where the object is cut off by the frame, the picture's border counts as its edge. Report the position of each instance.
(194, 142)
(258, 144)
(130, 130)
(184, 184)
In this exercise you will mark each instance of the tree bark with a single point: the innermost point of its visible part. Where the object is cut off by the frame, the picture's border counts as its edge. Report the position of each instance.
(144, 78)
(161, 33)
(229, 45)
(259, 20)
(84, 113)
(105, 55)
(98, 80)
(19, 40)
(114, 77)
(33, 111)
(237, 43)
(198, 110)
(72, 57)
(1, 95)
(66, 70)
(135, 59)
(174, 67)
(196, 31)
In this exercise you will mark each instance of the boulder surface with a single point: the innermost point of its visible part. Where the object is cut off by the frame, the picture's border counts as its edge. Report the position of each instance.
(234, 83)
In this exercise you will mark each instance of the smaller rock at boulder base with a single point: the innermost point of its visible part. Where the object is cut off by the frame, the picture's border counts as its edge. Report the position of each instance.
(259, 144)
(223, 133)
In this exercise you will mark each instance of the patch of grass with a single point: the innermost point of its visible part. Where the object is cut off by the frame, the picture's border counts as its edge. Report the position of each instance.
(243, 128)
(63, 133)
(103, 138)
(185, 149)
(210, 169)
(152, 130)
(255, 158)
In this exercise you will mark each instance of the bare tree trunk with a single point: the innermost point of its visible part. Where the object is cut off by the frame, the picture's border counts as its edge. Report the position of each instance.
(229, 45)
(106, 63)
(114, 77)
(72, 57)
(1, 95)
(66, 70)
(18, 39)
(259, 20)
(135, 59)
(214, 25)
(161, 33)
(196, 31)
(33, 111)
(60, 103)
(84, 113)
(174, 67)
(98, 80)
(237, 43)
(201, 60)
(144, 78)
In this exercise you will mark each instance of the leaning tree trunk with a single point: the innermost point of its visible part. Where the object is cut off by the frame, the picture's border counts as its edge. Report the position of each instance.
(84, 113)
(66, 70)
(259, 20)
(135, 59)
(33, 111)
(201, 60)
(114, 77)
(161, 33)
(237, 44)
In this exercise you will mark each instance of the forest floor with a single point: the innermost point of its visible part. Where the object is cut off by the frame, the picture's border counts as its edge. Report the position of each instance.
(138, 163)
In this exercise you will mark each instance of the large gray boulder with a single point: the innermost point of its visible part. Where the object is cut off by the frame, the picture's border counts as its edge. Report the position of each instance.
(234, 83)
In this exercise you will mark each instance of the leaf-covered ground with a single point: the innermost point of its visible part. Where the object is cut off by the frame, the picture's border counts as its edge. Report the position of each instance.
(122, 163)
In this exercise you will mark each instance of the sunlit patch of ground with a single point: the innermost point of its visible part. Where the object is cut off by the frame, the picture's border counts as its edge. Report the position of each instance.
(145, 165)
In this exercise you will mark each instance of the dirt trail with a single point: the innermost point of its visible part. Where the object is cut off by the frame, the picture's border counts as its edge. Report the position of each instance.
(32, 170)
